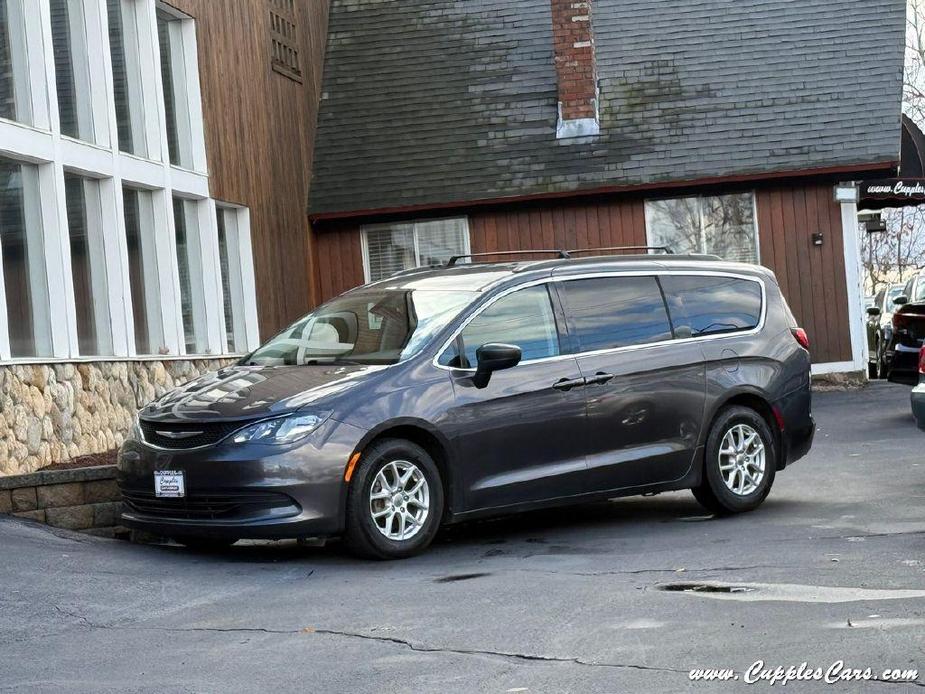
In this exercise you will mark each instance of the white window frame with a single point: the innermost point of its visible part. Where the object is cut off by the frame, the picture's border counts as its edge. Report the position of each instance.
(242, 281)
(42, 144)
(142, 93)
(187, 94)
(415, 225)
(702, 240)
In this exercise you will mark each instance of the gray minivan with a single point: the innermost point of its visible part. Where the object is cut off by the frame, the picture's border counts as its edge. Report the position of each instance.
(446, 394)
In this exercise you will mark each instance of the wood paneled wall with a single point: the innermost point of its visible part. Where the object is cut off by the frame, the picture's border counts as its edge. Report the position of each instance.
(259, 128)
(812, 278)
(564, 225)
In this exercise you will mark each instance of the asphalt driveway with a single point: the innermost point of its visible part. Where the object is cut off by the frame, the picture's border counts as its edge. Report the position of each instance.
(831, 568)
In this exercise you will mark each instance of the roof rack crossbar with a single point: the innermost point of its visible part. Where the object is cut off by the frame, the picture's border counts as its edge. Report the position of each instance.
(664, 249)
(454, 259)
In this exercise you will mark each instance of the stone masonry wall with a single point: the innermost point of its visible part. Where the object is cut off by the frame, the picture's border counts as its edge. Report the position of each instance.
(75, 499)
(50, 413)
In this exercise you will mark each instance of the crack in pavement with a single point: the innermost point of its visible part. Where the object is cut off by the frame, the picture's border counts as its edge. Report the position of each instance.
(411, 645)
(679, 570)
(901, 533)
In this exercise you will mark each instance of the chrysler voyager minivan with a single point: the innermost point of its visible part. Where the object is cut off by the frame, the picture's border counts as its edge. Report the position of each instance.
(446, 394)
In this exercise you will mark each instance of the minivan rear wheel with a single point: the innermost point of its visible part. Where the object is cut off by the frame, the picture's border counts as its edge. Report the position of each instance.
(740, 460)
(395, 501)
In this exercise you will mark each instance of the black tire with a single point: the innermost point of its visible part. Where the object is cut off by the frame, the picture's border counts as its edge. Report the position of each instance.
(713, 492)
(205, 544)
(363, 536)
(872, 370)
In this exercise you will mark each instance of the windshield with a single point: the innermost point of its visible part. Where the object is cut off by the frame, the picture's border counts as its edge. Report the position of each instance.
(368, 327)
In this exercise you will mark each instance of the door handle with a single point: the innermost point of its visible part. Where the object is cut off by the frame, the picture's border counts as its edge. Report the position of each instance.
(600, 378)
(566, 384)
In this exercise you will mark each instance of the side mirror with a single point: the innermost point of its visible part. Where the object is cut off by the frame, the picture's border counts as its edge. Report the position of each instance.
(901, 299)
(492, 357)
(873, 311)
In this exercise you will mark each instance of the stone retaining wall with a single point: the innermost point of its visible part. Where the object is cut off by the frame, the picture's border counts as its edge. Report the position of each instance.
(51, 413)
(75, 499)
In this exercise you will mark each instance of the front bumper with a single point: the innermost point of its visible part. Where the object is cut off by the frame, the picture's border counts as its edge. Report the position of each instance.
(918, 405)
(249, 491)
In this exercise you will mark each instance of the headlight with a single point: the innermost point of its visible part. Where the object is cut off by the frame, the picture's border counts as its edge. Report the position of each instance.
(281, 430)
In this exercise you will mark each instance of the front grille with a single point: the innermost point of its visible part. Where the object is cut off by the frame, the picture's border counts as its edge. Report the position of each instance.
(204, 506)
(191, 435)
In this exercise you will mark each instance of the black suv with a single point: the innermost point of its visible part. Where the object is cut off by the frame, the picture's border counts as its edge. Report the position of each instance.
(442, 395)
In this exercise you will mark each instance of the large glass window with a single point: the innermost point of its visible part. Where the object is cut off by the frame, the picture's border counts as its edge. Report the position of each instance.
(126, 75)
(15, 96)
(722, 225)
(229, 252)
(179, 136)
(88, 265)
(72, 68)
(608, 312)
(189, 266)
(368, 327)
(710, 305)
(24, 279)
(523, 318)
(138, 208)
(396, 247)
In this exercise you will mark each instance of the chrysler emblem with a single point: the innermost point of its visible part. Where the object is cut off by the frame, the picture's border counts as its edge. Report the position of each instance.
(176, 435)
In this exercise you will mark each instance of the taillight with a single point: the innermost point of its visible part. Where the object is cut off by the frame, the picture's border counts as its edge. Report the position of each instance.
(801, 337)
(900, 321)
(922, 361)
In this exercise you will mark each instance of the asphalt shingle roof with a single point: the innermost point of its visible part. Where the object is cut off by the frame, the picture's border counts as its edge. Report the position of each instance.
(428, 102)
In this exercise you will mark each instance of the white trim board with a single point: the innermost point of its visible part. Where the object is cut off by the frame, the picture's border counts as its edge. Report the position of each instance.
(834, 367)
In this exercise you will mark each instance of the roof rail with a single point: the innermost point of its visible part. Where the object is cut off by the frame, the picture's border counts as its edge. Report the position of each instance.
(453, 260)
(664, 249)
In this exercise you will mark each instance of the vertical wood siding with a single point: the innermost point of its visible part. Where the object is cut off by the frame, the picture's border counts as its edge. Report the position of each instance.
(259, 128)
(812, 278)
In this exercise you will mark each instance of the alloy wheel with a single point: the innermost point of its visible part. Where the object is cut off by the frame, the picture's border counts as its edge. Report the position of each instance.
(742, 459)
(399, 500)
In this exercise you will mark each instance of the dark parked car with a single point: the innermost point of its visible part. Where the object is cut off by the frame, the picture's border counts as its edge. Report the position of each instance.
(442, 395)
(880, 328)
(901, 351)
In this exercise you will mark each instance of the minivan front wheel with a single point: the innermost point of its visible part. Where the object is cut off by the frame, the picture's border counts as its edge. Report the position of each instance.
(395, 501)
(740, 460)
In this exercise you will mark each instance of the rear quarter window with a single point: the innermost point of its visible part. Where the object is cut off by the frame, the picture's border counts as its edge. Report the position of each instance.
(711, 305)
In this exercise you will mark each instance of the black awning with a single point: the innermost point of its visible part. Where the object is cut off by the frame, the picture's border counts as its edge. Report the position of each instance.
(909, 189)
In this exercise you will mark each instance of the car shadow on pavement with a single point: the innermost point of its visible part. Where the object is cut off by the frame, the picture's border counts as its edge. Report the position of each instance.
(563, 530)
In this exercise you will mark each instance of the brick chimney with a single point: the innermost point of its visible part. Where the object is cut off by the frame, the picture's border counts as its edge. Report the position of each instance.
(573, 39)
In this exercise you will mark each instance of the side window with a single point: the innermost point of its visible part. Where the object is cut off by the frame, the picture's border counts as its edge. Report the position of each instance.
(711, 305)
(523, 318)
(607, 312)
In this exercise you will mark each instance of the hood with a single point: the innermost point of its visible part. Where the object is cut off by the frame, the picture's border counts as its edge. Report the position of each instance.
(253, 392)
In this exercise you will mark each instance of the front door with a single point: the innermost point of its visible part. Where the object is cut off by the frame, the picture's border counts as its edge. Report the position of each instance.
(522, 437)
(645, 393)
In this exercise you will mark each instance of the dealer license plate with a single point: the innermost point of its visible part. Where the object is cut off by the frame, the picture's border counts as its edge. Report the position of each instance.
(169, 483)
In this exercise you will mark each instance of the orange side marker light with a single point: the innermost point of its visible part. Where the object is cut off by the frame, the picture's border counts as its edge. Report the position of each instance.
(348, 473)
